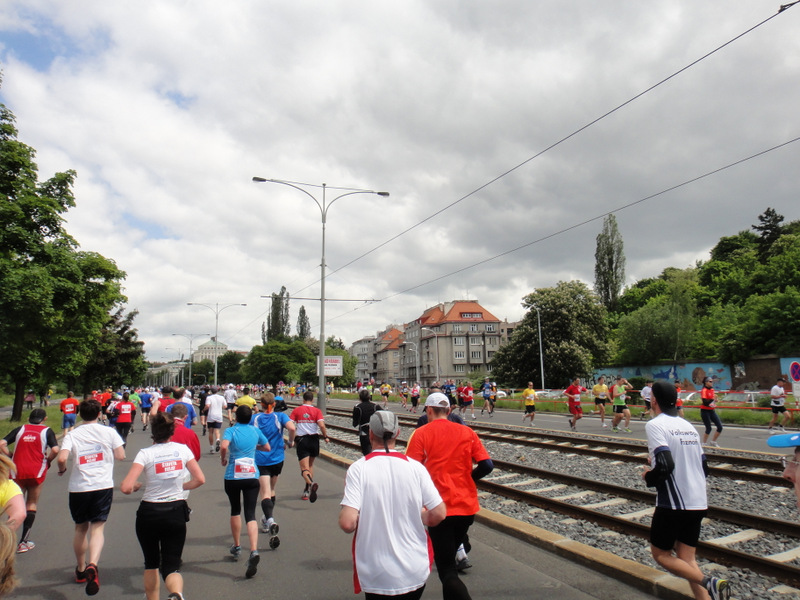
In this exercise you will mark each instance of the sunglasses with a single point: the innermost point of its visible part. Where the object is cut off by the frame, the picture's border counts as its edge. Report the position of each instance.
(789, 460)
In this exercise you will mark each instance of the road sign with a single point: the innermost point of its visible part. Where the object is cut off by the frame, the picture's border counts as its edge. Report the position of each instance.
(334, 366)
(794, 371)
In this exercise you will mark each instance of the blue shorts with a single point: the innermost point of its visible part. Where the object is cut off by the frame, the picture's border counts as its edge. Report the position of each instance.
(68, 421)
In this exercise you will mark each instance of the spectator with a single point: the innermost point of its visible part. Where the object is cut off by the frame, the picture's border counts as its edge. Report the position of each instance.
(362, 413)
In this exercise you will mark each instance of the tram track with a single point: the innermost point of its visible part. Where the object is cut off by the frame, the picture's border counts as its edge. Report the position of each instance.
(572, 497)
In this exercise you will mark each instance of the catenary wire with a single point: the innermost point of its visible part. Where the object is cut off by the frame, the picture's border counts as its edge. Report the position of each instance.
(551, 146)
(582, 223)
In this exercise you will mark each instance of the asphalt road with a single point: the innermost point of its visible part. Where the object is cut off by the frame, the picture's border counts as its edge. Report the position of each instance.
(313, 560)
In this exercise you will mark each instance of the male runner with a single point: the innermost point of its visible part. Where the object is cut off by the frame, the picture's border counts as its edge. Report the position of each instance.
(215, 405)
(573, 394)
(489, 392)
(600, 393)
(619, 404)
(93, 449)
(35, 447)
(678, 471)
(69, 407)
(529, 399)
(310, 424)
(778, 405)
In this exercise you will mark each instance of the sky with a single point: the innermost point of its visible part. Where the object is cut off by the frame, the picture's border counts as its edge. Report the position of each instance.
(492, 125)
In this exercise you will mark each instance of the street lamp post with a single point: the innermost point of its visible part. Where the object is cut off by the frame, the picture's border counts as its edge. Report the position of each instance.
(190, 337)
(323, 209)
(541, 354)
(216, 308)
(415, 351)
(435, 335)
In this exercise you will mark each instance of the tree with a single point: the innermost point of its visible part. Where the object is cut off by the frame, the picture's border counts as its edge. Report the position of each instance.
(118, 356)
(303, 324)
(574, 337)
(278, 327)
(609, 266)
(55, 300)
(769, 228)
(279, 361)
(228, 367)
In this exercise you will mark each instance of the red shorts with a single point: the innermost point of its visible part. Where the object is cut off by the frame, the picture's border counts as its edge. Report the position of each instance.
(575, 410)
(30, 482)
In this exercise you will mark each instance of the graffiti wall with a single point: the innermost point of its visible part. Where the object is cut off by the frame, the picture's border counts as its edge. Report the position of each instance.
(689, 375)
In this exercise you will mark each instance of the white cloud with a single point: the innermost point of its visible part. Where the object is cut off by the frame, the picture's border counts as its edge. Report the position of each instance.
(167, 110)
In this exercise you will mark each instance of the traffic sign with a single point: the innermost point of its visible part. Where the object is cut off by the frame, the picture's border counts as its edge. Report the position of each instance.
(794, 371)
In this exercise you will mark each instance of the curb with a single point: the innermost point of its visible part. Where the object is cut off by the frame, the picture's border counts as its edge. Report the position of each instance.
(642, 577)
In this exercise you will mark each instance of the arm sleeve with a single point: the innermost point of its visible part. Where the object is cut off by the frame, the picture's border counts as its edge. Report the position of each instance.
(52, 440)
(483, 469)
(12, 437)
(664, 465)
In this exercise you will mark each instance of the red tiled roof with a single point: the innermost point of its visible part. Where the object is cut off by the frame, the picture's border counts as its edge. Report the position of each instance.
(470, 308)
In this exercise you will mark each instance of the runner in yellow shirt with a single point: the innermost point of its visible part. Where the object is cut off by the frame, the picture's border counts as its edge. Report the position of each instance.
(529, 398)
(600, 393)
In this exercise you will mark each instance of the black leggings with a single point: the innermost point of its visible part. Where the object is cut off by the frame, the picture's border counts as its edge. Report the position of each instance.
(161, 530)
(446, 537)
(708, 417)
(249, 489)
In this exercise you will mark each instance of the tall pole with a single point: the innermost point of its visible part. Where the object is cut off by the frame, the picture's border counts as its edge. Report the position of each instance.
(541, 354)
(216, 309)
(436, 336)
(190, 337)
(323, 209)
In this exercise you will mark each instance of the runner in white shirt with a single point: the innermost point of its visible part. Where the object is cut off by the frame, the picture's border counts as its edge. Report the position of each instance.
(678, 472)
(93, 449)
(778, 405)
(388, 501)
(216, 404)
(163, 513)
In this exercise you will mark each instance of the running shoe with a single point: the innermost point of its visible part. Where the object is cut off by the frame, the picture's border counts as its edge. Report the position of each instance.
(236, 552)
(713, 444)
(252, 564)
(175, 596)
(605, 426)
(718, 588)
(274, 542)
(628, 430)
(80, 576)
(312, 497)
(216, 446)
(473, 416)
(272, 527)
(463, 564)
(305, 495)
(573, 428)
(23, 547)
(782, 429)
(264, 524)
(615, 429)
(491, 415)
(92, 579)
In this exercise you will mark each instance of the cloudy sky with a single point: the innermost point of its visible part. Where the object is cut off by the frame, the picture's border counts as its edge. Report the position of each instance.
(167, 109)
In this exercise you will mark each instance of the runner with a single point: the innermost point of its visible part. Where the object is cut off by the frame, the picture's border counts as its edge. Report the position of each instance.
(573, 394)
(241, 481)
(270, 463)
(415, 396)
(708, 413)
(215, 406)
(529, 399)
(69, 407)
(35, 448)
(230, 400)
(310, 424)
(163, 512)
(489, 392)
(600, 393)
(362, 413)
(619, 403)
(778, 405)
(469, 400)
(146, 404)
(386, 389)
(404, 391)
(647, 396)
(93, 449)
(124, 413)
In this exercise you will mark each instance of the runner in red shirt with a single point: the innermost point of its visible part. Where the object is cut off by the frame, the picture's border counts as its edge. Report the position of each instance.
(125, 411)
(35, 447)
(573, 394)
(69, 406)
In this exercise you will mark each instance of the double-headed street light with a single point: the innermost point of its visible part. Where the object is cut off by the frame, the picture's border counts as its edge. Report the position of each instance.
(190, 337)
(323, 209)
(216, 308)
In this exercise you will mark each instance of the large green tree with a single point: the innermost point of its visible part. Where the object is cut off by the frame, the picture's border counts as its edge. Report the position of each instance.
(278, 326)
(55, 299)
(279, 361)
(609, 265)
(574, 337)
(303, 324)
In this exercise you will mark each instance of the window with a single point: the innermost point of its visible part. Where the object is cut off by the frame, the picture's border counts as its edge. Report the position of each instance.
(476, 354)
(489, 355)
(475, 341)
(492, 341)
(458, 341)
(471, 315)
(459, 354)
(459, 368)
(457, 328)
(489, 327)
(489, 368)
(473, 327)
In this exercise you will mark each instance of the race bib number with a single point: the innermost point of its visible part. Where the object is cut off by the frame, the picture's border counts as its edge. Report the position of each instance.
(244, 468)
(90, 459)
(166, 467)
